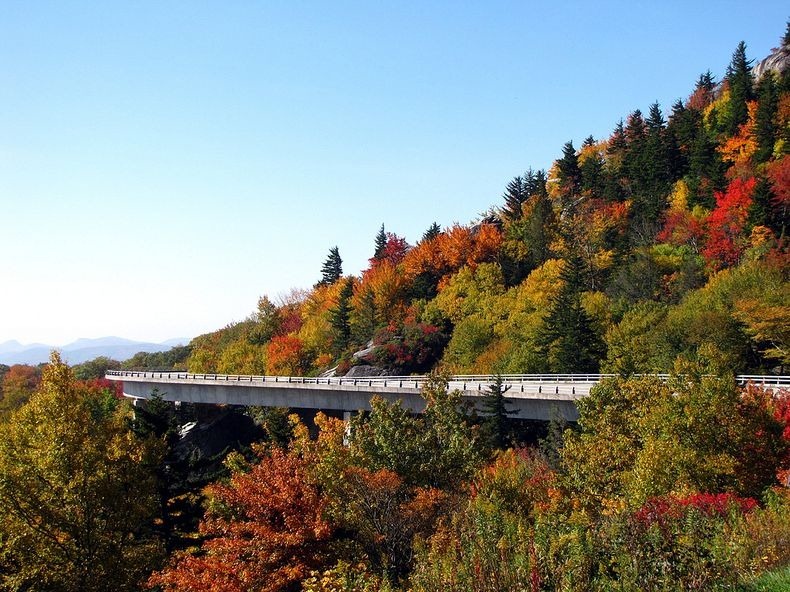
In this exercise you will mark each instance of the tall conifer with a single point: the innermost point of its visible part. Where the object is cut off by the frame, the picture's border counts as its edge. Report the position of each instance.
(332, 270)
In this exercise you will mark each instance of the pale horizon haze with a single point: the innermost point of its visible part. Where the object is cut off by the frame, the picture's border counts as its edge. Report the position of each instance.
(165, 164)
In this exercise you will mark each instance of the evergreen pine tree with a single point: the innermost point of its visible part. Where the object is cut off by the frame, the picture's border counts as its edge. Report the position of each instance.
(364, 321)
(380, 244)
(567, 338)
(332, 269)
(703, 94)
(617, 142)
(569, 172)
(551, 446)
(433, 231)
(515, 195)
(654, 180)
(764, 120)
(592, 171)
(536, 182)
(739, 79)
(682, 129)
(496, 422)
(340, 318)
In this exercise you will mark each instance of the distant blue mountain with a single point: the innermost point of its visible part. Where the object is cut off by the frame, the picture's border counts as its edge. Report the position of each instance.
(82, 350)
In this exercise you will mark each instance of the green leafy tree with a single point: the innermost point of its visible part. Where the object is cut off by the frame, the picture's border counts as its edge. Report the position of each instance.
(173, 359)
(436, 449)
(643, 437)
(276, 424)
(332, 270)
(78, 491)
(95, 368)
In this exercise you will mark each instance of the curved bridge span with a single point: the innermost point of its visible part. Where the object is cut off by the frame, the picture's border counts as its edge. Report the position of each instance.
(535, 396)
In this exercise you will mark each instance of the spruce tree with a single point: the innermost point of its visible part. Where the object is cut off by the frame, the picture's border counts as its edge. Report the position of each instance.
(380, 244)
(567, 338)
(433, 231)
(515, 195)
(569, 172)
(536, 182)
(340, 318)
(496, 422)
(617, 142)
(765, 128)
(633, 156)
(655, 175)
(332, 269)
(740, 81)
(592, 171)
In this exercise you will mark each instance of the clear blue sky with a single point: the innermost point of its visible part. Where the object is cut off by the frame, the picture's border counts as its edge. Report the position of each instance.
(164, 164)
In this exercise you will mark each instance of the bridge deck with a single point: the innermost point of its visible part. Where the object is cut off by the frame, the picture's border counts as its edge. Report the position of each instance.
(534, 396)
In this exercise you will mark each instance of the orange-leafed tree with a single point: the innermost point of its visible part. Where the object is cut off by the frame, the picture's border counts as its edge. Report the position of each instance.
(386, 514)
(264, 532)
(683, 225)
(457, 246)
(285, 356)
(726, 224)
(740, 148)
(379, 299)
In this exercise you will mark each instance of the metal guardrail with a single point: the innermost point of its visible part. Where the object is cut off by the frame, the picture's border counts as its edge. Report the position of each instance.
(418, 381)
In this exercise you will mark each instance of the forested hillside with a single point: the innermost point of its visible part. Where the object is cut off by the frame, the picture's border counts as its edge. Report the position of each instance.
(665, 241)
(662, 247)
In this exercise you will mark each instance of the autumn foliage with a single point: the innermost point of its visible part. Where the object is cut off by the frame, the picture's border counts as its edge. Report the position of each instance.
(452, 249)
(725, 242)
(264, 532)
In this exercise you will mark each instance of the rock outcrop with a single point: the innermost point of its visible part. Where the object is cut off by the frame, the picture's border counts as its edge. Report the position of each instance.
(777, 61)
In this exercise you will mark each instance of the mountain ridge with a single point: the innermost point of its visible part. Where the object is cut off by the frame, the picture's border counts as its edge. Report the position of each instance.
(82, 349)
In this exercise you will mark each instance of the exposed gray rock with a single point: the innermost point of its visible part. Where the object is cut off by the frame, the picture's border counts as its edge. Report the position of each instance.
(777, 61)
(364, 371)
(363, 353)
(331, 373)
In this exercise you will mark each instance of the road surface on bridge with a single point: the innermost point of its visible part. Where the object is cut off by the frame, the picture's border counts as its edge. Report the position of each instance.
(534, 396)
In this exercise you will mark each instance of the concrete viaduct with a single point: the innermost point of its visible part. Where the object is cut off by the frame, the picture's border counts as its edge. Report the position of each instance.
(536, 397)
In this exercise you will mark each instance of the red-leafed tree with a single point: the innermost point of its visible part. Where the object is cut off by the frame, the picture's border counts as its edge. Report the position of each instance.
(264, 532)
(779, 177)
(727, 223)
(682, 227)
(393, 250)
(17, 385)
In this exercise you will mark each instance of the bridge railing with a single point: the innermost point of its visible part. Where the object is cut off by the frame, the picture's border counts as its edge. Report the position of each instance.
(475, 380)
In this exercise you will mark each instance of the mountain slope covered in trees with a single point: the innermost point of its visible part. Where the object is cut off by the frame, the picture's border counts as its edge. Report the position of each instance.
(662, 247)
(665, 241)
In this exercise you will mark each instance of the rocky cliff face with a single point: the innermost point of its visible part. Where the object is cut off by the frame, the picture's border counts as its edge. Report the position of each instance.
(777, 61)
